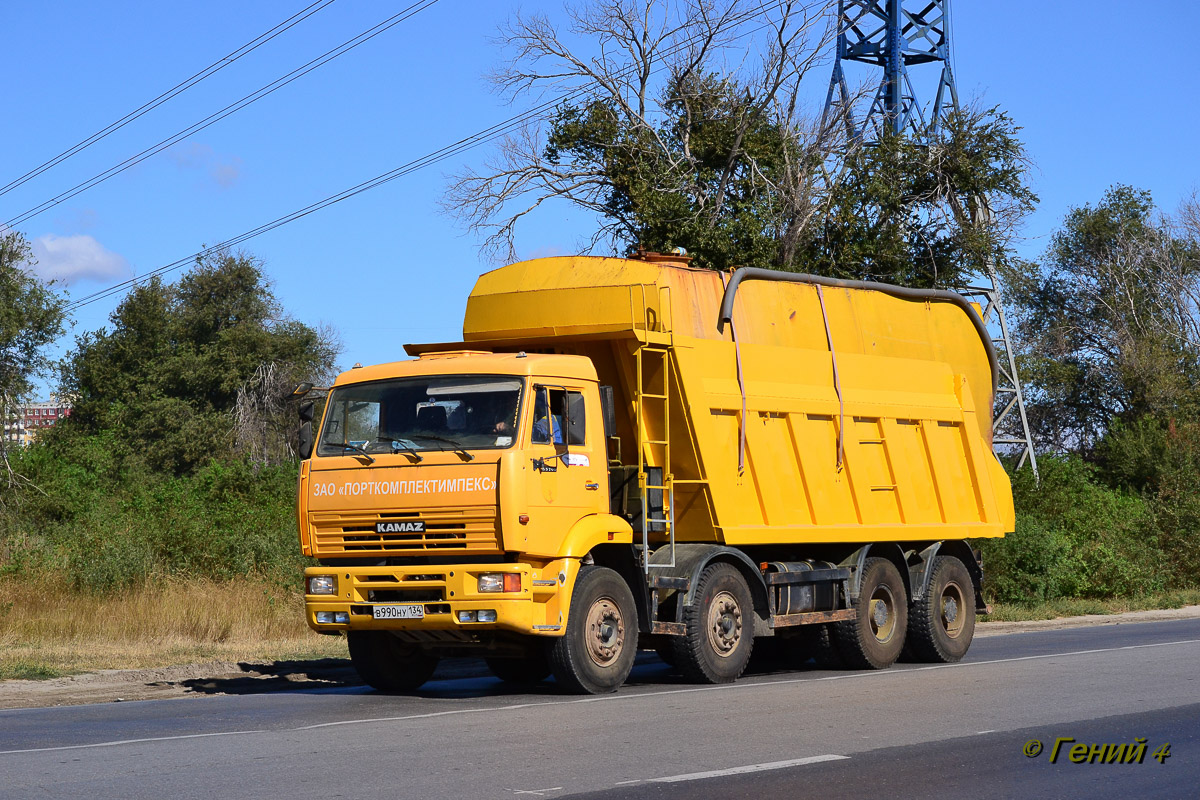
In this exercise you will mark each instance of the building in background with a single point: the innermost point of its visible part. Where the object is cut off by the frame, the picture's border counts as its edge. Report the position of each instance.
(23, 422)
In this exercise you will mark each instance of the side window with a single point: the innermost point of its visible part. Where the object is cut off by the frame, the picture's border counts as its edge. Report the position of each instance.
(543, 422)
(557, 412)
(576, 420)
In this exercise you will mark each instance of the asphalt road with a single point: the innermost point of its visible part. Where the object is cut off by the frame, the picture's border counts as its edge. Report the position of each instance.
(910, 731)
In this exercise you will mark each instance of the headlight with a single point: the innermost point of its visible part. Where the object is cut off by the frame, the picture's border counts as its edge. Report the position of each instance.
(500, 582)
(322, 584)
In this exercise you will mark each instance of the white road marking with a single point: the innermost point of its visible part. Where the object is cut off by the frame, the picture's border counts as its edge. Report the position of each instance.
(538, 792)
(717, 773)
(609, 698)
(131, 741)
(981, 733)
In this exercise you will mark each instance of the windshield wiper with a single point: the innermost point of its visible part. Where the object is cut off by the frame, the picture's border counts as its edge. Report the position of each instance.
(455, 446)
(399, 446)
(346, 446)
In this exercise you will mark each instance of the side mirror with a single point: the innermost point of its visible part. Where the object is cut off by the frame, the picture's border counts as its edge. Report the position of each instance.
(302, 389)
(306, 440)
(306, 411)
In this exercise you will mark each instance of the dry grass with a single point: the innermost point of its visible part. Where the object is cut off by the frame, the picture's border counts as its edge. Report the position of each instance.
(47, 629)
(1011, 612)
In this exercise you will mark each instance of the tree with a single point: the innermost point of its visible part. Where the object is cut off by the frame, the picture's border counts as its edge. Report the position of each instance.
(32, 315)
(654, 134)
(926, 213)
(723, 162)
(165, 379)
(1111, 326)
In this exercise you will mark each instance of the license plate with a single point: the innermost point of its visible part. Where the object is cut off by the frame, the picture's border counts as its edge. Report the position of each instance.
(398, 612)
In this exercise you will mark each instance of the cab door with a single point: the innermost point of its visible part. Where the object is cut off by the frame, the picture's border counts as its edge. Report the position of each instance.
(565, 463)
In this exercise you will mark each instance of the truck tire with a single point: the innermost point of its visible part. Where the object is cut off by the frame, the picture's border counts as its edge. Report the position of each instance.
(388, 664)
(720, 627)
(875, 638)
(596, 653)
(523, 670)
(942, 623)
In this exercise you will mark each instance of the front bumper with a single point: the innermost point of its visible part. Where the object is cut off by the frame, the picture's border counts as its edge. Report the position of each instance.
(442, 592)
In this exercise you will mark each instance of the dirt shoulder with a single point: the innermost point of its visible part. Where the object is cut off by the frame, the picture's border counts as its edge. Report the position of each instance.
(256, 677)
(1160, 615)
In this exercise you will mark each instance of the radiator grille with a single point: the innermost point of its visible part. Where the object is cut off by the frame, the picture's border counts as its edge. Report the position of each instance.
(469, 529)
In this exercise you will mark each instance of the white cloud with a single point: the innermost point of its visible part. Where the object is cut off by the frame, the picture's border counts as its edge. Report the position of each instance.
(224, 170)
(548, 251)
(75, 258)
(192, 155)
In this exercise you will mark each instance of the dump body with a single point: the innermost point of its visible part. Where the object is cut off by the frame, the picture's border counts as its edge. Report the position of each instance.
(915, 379)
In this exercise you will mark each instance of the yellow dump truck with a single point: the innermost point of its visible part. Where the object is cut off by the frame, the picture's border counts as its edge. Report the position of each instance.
(633, 453)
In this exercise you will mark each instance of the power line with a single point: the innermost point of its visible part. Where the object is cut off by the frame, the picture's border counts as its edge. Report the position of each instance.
(232, 108)
(462, 145)
(175, 91)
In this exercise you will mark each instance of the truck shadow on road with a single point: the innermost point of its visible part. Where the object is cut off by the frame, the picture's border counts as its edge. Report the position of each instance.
(455, 678)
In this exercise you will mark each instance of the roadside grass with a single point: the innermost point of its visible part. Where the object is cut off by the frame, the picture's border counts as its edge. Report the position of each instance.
(1071, 607)
(49, 629)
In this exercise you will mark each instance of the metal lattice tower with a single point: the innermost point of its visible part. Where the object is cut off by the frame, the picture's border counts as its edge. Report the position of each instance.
(887, 35)
(883, 33)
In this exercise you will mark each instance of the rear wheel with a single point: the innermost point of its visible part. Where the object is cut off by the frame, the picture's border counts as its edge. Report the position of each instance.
(720, 627)
(388, 664)
(596, 653)
(522, 670)
(875, 638)
(942, 623)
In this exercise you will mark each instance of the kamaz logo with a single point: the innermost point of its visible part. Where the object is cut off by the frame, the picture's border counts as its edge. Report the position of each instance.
(400, 527)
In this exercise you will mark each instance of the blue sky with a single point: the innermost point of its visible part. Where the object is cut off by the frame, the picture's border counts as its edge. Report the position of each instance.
(1102, 94)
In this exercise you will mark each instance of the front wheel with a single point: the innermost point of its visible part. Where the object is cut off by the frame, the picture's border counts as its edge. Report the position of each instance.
(874, 639)
(596, 653)
(942, 623)
(388, 664)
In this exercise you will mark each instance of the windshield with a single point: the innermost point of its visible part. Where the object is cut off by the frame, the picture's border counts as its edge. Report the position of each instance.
(476, 412)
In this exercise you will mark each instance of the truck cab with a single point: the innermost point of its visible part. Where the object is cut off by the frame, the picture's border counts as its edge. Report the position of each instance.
(450, 499)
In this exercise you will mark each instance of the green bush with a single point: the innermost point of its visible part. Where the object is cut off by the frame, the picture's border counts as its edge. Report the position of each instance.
(1033, 563)
(109, 524)
(1075, 537)
(1162, 461)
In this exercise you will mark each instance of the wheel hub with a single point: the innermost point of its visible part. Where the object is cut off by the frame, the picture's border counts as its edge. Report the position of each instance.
(952, 607)
(882, 614)
(724, 624)
(605, 632)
